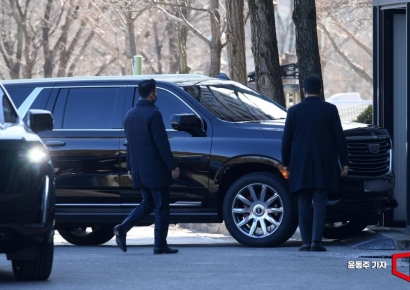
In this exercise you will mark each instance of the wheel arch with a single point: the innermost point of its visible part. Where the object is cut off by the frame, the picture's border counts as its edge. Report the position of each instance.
(240, 166)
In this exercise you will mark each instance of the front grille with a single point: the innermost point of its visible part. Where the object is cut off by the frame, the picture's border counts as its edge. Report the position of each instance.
(7, 163)
(369, 157)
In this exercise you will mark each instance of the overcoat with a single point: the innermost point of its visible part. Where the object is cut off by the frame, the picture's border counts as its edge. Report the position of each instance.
(149, 156)
(313, 145)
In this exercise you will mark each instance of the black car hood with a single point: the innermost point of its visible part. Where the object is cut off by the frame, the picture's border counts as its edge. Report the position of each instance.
(16, 131)
(277, 124)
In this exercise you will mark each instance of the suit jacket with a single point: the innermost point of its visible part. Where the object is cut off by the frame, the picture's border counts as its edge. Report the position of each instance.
(149, 156)
(313, 142)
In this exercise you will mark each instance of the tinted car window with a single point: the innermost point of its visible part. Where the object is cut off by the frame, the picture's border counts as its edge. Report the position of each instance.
(7, 112)
(90, 108)
(19, 95)
(235, 103)
(168, 104)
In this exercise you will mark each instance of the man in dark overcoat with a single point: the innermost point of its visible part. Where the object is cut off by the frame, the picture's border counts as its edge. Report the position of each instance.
(150, 165)
(314, 153)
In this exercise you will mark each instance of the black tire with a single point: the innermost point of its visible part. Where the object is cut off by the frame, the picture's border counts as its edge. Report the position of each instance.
(81, 237)
(38, 269)
(343, 230)
(252, 222)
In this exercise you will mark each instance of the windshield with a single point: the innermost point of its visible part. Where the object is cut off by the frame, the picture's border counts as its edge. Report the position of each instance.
(235, 102)
(7, 112)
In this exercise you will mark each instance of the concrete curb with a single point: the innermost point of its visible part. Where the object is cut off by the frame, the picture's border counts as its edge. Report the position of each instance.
(397, 236)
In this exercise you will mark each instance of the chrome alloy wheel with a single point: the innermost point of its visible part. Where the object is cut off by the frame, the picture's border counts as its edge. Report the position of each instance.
(257, 210)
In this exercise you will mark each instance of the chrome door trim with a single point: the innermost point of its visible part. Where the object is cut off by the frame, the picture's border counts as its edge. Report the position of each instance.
(176, 204)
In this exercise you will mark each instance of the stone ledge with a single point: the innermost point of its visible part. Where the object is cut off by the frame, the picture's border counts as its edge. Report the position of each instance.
(398, 236)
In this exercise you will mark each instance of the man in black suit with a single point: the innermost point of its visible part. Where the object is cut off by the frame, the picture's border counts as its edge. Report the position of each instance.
(313, 143)
(150, 165)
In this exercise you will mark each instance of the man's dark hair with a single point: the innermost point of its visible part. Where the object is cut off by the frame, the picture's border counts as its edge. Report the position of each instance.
(312, 85)
(146, 87)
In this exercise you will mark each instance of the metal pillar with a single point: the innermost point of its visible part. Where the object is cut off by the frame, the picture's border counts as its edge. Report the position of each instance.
(137, 65)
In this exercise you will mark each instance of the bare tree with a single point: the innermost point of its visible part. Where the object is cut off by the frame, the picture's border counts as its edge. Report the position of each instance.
(66, 34)
(31, 44)
(173, 44)
(11, 44)
(354, 66)
(19, 44)
(217, 24)
(182, 12)
(177, 10)
(235, 38)
(265, 50)
(146, 32)
(285, 31)
(341, 25)
(307, 48)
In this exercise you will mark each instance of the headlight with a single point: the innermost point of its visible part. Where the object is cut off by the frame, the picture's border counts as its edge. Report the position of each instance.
(37, 155)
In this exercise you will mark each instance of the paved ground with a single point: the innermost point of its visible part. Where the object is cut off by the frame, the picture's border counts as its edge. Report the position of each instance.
(212, 261)
(373, 238)
(176, 236)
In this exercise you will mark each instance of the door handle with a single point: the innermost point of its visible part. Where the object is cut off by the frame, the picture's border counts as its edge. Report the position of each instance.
(55, 144)
(125, 143)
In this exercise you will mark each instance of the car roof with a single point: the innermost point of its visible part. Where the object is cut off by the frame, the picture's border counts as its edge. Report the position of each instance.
(173, 78)
(348, 95)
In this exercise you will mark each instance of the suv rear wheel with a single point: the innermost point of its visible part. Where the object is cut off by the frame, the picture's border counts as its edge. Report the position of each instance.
(259, 211)
(84, 236)
(37, 269)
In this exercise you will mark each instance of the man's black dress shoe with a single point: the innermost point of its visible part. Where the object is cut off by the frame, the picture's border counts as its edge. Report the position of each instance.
(304, 248)
(317, 248)
(120, 237)
(166, 250)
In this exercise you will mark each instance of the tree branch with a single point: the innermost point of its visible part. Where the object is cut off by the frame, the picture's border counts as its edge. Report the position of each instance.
(105, 65)
(185, 22)
(352, 37)
(351, 64)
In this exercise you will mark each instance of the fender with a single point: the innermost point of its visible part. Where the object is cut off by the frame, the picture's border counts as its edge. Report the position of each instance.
(259, 159)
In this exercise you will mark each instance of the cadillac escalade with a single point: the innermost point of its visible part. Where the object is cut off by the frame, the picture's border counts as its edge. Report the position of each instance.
(226, 139)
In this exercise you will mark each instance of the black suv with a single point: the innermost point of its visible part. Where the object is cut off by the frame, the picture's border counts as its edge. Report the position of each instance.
(27, 195)
(226, 139)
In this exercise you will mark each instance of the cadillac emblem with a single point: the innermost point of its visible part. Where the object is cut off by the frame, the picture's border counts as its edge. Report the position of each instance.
(374, 148)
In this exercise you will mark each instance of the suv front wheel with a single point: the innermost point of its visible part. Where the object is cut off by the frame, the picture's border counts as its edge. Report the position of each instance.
(259, 211)
(37, 269)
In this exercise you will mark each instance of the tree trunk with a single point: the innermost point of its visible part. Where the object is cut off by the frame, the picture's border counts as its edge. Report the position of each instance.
(72, 14)
(265, 50)
(307, 48)
(77, 59)
(215, 44)
(158, 47)
(132, 48)
(16, 67)
(235, 37)
(48, 54)
(215, 65)
(173, 64)
(182, 40)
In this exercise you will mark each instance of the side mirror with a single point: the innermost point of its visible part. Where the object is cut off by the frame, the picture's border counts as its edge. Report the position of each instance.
(40, 120)
(190, 123)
